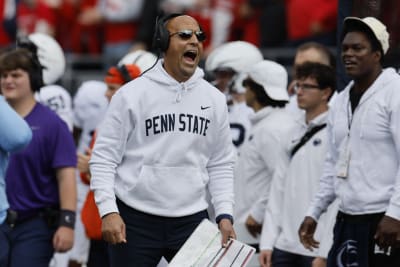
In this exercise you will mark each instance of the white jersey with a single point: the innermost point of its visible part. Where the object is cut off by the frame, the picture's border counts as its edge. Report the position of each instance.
(161, 145)
(58, 99)
(291, 195)
(239, 121)
(257, 162)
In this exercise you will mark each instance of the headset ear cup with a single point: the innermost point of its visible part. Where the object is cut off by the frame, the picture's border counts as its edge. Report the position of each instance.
(161, 34)
(36, 73)
(36, 76)
(161, 39)
(164, 33)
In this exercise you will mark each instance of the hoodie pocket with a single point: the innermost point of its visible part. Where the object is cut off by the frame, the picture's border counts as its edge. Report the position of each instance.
(170, 186)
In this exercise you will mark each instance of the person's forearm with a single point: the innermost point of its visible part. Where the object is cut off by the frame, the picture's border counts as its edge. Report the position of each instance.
(67, 188)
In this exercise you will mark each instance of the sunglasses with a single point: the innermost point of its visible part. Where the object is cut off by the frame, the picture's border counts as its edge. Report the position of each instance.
(187, 34)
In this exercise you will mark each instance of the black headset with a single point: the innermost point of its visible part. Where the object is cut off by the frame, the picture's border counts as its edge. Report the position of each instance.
(36, 72)
(161, 34)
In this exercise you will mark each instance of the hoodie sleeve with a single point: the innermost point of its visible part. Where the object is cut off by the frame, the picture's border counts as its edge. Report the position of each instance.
(276, 160)
(220, 167)
(393, 209)
(273, 212)
(108, 152)
(327, 223)
(14, 131)
(326, 191)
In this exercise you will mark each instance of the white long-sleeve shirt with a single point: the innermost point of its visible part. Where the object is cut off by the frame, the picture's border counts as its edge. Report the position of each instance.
(373, 181)
(161, 145)
(291, 195)
(258, 160)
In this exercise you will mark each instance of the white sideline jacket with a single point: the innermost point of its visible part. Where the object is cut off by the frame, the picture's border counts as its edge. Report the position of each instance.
(258, 161)
(373, 183)
(291, 195)
(161, 145)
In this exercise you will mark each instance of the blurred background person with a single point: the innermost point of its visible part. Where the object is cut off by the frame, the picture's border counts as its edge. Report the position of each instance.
(15, 134)
(226, 66)
(292, 193)
(260, 155)
(40, 179)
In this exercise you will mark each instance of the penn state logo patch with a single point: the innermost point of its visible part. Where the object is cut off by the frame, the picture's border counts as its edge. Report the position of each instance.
(317, 141)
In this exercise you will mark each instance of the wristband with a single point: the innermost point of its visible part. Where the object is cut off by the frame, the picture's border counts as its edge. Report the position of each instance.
(67, 218)
(224, 216)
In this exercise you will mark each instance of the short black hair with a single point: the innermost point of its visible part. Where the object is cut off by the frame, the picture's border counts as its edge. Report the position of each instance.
(323, 74)
(261, 96)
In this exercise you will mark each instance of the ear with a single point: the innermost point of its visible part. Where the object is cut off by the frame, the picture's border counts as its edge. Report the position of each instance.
(326, 93)
(378, 55)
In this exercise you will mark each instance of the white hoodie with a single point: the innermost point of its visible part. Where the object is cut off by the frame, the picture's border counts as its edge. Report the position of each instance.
(259, 159)
(161, 145)
(373, 130)
(291, 195)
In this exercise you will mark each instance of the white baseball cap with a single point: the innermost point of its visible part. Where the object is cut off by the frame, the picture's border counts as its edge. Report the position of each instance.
(272, 77)
(377, 28)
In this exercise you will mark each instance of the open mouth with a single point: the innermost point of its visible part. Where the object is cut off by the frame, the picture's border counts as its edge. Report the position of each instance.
(349, 63)
(190, 55)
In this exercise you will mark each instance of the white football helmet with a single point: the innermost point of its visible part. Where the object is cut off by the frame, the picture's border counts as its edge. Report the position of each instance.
(90, 105)
(50, 55)
(144, 59)
(236, 55)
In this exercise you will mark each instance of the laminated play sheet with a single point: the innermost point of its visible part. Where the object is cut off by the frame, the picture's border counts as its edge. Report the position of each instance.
(203, 249)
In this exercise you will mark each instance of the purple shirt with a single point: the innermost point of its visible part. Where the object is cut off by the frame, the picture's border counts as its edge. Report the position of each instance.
(31, 181)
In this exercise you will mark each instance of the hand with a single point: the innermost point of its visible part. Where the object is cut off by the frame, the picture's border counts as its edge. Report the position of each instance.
(83, 161)
(306, 233)
(318, 262)
(387, 233)
(227, 231)
(265, 258)
(113, 228)
(63, 239)
(253, 226)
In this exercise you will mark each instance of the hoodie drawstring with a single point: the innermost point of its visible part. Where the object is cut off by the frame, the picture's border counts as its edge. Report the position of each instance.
(179, 93)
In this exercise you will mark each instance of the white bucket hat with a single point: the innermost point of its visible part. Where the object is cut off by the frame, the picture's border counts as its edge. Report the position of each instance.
(272, 77)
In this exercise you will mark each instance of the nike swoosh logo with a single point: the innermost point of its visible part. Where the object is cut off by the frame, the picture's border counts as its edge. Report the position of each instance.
(203, 108)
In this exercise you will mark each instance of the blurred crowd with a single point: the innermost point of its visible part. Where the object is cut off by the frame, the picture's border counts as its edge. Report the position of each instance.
(112, 27)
